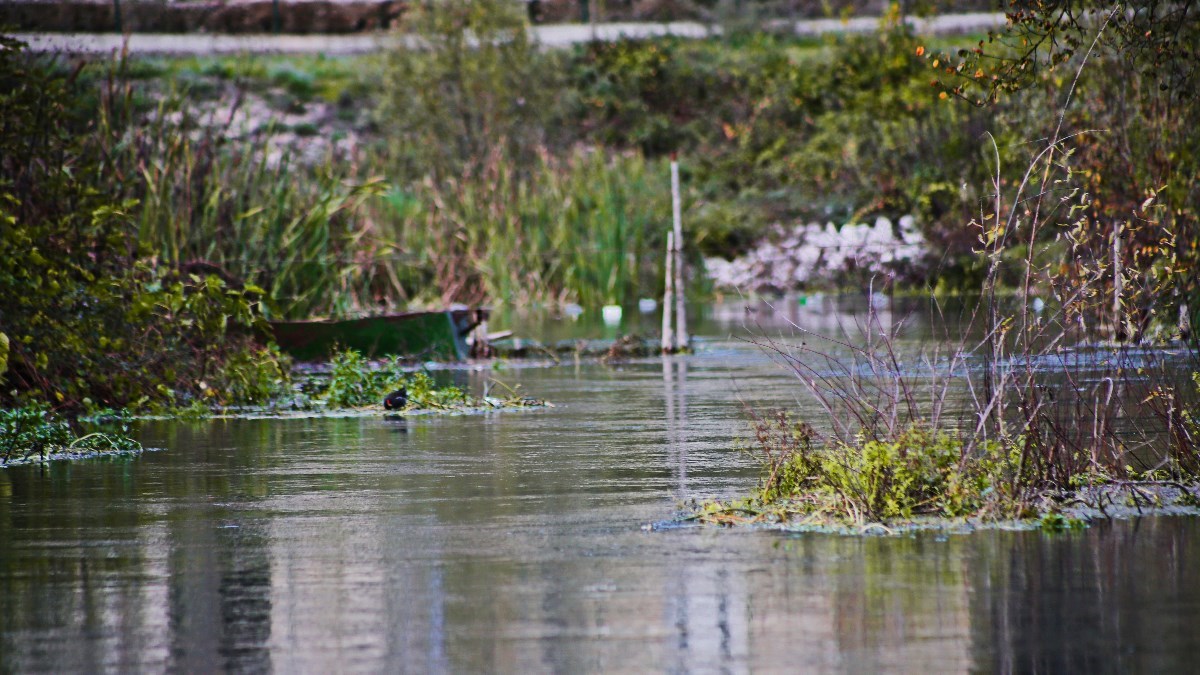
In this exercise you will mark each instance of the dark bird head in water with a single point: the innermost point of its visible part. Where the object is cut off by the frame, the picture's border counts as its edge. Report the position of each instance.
(396, 400)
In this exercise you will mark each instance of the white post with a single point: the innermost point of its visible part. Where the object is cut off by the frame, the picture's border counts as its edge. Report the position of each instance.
(1118, 278)
(681, 333)
(668, 334)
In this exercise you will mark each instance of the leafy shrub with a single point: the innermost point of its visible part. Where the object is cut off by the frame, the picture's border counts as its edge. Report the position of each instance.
(253, 376)
(476, 86)
(87, 310)
(352, 381)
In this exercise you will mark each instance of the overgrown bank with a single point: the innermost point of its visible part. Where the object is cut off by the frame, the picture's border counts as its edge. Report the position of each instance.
(1029, 416)
(1089, 231)
(556, 159)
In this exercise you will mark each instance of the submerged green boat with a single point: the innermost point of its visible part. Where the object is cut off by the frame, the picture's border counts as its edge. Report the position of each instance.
(429, 336)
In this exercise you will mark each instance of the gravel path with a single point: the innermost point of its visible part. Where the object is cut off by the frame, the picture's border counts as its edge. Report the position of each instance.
(549, 36)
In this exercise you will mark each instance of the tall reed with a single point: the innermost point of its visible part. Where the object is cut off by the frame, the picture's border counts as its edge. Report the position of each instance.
(322, 239)
(245, 209)
(586, 228)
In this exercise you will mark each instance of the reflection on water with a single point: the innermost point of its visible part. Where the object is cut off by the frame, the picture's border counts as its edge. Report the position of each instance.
(513, 542)
(1120, 597)
(675, 398)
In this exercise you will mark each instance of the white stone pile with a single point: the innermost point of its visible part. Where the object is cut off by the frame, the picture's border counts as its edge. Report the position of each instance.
(822, 255)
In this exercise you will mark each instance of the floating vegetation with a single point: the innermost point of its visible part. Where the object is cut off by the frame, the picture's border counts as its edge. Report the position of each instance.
(354, 382)
(349, 385)
(34, 434)
(1055, 512)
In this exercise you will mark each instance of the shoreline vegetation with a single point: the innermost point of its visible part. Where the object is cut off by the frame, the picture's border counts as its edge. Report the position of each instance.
(1009, 420)
(1030, 433)
(1057, 513)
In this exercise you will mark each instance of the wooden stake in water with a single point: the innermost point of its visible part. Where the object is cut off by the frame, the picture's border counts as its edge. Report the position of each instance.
(681, 332)
(1118, 279)
(668, 334)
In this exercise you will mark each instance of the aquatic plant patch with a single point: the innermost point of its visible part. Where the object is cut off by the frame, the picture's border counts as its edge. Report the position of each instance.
(919, 472)
(355, 382)
(33, 433)
(922, 479)
(906, 443)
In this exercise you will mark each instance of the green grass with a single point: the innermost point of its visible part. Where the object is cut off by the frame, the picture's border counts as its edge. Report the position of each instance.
(588, 228)
(310, 75)
(33, 430)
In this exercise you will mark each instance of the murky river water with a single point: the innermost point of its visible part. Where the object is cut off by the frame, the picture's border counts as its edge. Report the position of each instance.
(514, 542)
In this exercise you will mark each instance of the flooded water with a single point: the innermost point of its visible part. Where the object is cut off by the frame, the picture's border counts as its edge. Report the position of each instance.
(515, 542)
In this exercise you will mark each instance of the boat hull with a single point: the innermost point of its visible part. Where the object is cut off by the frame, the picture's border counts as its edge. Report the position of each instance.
(429, 336)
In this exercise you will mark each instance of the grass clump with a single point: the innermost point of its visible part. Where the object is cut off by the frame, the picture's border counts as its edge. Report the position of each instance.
(354, 382)
(34, 431)
(918, 472)
(923, 475)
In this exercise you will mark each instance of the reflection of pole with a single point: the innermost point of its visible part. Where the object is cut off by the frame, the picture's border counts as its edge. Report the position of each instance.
(681, 426)
(681, 334)
(117, 16)
(668, 333)
(669, 397)
(675, 394)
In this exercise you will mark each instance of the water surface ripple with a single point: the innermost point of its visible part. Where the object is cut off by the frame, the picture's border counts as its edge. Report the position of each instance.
(513, 542)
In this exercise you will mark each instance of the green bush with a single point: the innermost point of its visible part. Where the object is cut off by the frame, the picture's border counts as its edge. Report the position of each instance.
(475, 87)
(88, 311)
(253, 376)
(353, 383)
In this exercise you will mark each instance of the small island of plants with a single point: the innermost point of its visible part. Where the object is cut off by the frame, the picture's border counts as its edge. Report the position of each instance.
(351, 384)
